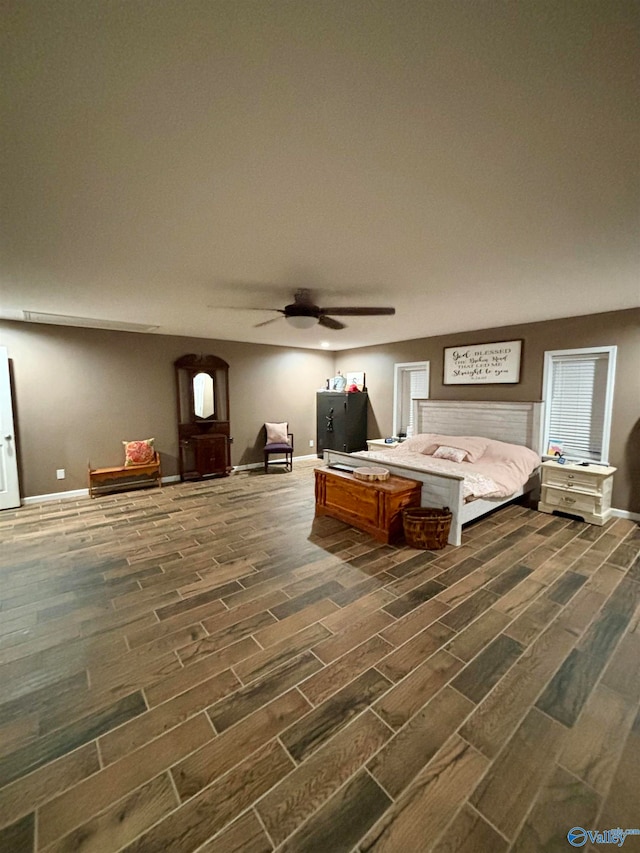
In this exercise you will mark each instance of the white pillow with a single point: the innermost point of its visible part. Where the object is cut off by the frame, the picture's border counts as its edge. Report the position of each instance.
(453, 454)
(473, 445)
(424, 442)
(277, 433)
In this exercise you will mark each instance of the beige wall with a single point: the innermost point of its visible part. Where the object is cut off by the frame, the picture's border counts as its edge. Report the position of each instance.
(616, 328)
(79, 392)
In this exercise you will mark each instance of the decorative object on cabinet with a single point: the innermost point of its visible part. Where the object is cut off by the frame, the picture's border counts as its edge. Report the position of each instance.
(483, 364)
(341, 421)
(339, 382)
(555, 448)
(202, 383)
(582, 490)
(357, 379)
(280, 442)
(375, 507)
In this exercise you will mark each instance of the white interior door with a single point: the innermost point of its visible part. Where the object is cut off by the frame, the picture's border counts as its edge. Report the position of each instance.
(9, 485)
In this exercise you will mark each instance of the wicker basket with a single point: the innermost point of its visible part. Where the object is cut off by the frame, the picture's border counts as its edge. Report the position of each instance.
(426, 527)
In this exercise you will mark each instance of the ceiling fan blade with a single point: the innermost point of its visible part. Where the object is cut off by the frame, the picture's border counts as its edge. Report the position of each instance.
(272, 320)
(328, 323)
(357, 312)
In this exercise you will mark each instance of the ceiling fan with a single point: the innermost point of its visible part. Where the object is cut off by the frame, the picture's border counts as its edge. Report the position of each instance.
(302, 313)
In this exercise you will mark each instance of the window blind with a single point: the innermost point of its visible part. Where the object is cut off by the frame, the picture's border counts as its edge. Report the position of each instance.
(577, 405)
(414, 388)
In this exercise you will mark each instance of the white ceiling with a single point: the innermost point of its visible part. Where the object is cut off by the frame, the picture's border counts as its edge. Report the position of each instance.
(167, 163)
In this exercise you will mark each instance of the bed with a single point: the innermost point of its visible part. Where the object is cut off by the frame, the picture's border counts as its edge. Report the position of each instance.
(517, 423)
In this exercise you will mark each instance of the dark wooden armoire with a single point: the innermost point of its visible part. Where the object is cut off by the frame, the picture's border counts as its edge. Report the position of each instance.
(342, 421)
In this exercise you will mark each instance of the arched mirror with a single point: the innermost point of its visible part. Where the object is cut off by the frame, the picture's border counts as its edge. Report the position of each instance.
(203, 396)
(202, 383)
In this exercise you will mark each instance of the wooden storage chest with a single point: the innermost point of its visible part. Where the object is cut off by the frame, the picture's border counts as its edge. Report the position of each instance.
(375, 507)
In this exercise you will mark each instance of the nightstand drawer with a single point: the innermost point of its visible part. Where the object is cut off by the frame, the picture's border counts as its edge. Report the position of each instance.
(572, 502)
(571, 479)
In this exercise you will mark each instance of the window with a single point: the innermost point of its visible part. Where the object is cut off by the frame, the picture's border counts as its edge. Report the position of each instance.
(411, 382)
(578, 396)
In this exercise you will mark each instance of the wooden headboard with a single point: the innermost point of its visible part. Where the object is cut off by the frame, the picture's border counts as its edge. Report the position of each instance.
(516, 423)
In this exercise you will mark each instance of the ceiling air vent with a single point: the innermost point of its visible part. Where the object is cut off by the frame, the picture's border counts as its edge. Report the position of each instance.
(86, 322)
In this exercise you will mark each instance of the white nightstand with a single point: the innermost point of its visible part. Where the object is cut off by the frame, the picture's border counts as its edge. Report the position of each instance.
(579, 490)
(380, 444)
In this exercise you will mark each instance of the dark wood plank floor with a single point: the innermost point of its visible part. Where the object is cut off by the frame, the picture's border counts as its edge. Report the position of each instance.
(208, 667)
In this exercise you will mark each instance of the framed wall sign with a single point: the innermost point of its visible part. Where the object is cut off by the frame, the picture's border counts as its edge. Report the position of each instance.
(483, 364)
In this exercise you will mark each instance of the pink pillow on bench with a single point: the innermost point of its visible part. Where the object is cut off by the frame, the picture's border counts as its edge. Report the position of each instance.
(139, 452)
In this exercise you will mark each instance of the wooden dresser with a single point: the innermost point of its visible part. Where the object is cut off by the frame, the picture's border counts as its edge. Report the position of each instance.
(375, 507)
(579, 490)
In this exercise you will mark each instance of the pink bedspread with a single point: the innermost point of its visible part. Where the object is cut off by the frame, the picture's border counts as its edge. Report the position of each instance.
(500, 471)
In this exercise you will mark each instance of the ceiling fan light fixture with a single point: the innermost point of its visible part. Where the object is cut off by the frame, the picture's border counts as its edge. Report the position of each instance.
(300, 322)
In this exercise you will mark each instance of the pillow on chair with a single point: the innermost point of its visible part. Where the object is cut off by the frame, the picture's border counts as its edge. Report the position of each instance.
(277, 433)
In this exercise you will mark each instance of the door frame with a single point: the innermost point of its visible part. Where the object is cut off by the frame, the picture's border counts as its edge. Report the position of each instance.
(400, 370)
(9, 479)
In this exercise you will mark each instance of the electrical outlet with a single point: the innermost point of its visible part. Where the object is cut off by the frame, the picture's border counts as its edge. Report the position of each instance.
(310, 442)
(60, 473)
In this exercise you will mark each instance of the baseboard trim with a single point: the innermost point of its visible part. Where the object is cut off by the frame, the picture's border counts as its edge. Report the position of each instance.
(253, 465)
(74, 494)
(623, 513)
(56, 496)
